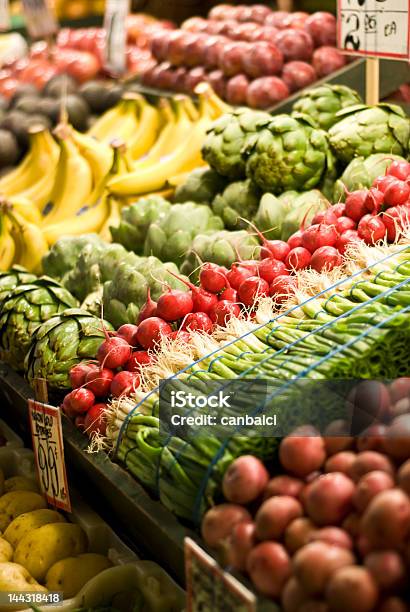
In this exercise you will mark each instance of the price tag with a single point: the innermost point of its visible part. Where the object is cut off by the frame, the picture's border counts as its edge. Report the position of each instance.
(209, 587)
(375, 28)
(4, 15)
(47, 436)
(116, 13)
(40, 20)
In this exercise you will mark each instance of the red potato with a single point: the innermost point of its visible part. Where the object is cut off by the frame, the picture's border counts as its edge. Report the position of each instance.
(237, 90)
(219, 521)
(297, 534)
(372, 438)
(266, 33)
(159, 44)
(294, 44)
(341, 462)
(266, 92)
(193, 78)
(399, 389)
(163, 76)
(217, 81)
(369, 461)
(283, 485)
(274, 515)
(296, 20)
(351, 524)
(277, 19)
(304, 453)
(386, 521)
(195, 24)
(263, 59)
(387, 568)
(401, 407)
(329, 498)
(260, 12)
(241, 541)
(393, 604)
(403, 477)
(370, 485)
(397, 440)
(176, 51)
(298, 75)
(293, 596)
(231, 59)
(222, 12)
(315, 563)
(332, 536)
(326, 60)
(322, 28)
(213, 48)
(314, 605)
(244, 480)
(269, 568)
(336, 438)
(352, 588)
(244, 31)
(195, 50)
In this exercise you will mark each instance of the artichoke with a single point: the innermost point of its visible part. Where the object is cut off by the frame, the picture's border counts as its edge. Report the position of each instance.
(222, 248)
(322, 103)
(24, 309)
(60, 343)
(302, 209)
(271, 213)
(135, 221)
(170, 238)
(240, 199)
(16, 276)
(225, 142)
(364, 130)
(124, 295)
(289, 153)
(362, 172)
(63, 255)
(201, 186)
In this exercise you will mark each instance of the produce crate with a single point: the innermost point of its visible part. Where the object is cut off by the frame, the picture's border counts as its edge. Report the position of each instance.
(12, 440)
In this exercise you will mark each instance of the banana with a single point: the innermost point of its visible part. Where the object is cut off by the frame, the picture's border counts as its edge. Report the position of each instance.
(99, 155)
(219, 106)
(40, 192)
(147, 132)
(119, 122)
(113, 219)
(32, 245)
(7, 245)
(23, 207)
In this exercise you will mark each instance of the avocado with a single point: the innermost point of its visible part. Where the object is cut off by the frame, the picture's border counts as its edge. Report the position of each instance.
(50, 107)
(59, 86)
(9, 150)
(94, 93)
(27, 104)
(39, 119)
(24, 89)
(17, 122)
(3, 103)
(78, 112)
(113, 95)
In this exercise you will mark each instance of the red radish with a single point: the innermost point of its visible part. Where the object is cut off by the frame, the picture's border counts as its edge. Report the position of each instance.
(269, 568)
(269, 269)
(241, 542)
(282, 287)
(327, 217)
(371, 229)
(345, 239)
(302, 452)
(355, 206)
(237, 274)
(383, 182)
(374, 200)
(278, 249)
(295, 240)
(202, 300)
(80, 422)
(124, 383)
(78, 374)
(197, 321)
(298, 259)
(149, 308)
(319, 235)
(339, 210)
(181, 335)
(343, 224)
(213, 278)
(244, 480)
(95, 420)
(251, 289)
(151, 330)
(129, 333)
(395, 220)
(325, 259)
(138, 360)
(229, 294)
(400, 170)
(80, 400)
(113, 352)
(397, 193)
(66, 407)
(223, 311)
(98, 380)
(219, 522)
(174, 304)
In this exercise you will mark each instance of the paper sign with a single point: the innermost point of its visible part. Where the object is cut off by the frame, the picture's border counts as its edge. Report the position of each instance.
(40, 20)
(116, 13)
(209, 587)
(47, 436)
(4, 15)
(375, 28)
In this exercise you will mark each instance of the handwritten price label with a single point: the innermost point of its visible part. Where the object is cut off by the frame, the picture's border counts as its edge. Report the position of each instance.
(376, 28)
(47, 436)
(116, 13)
(40, 20)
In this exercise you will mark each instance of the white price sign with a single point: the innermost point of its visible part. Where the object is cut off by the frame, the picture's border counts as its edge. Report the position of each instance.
(375, 28)
(40, 20)
(47, 436)
(116, 13)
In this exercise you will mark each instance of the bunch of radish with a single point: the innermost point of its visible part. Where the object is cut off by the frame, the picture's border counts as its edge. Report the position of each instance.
(331, 531)
(379, 213)
(249, 54)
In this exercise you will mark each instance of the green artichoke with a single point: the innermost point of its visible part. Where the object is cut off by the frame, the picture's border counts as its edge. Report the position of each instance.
(63, 255)
(201, 186)
(60, 343)
(364, 130)
(124, 295)
(170, 238)
(289, 153)
(302, 209)
(361, 173)
(324, 102)
(222, 248)
(24, 309)
(271, 213)
(16, 276)
(135, 221)
(225, 142)
(240, 199)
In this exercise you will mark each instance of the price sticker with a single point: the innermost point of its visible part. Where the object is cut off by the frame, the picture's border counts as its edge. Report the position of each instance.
(209, 587)
(40, 20)
(116, 13)
(4, 15)
(47, 436)
(375, 28)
